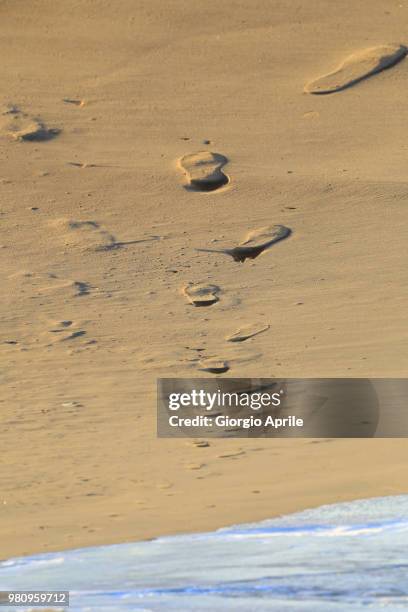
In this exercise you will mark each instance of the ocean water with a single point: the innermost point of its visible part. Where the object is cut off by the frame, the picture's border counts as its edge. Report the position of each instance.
(348, 556)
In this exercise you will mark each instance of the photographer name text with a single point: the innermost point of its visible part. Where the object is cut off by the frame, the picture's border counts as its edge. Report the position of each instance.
(241, 422)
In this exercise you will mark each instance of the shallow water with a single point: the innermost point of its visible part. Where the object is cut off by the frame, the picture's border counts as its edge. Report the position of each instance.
(349, 556)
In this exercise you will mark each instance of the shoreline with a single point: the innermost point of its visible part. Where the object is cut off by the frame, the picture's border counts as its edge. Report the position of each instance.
(199, 532)
(302, 553)
(348, 471)
(204, 531)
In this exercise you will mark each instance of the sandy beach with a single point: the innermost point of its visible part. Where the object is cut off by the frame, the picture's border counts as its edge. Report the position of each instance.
(102, 206)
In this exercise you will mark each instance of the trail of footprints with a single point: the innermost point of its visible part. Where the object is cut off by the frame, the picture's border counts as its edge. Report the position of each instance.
(204, 172)
(206, 295)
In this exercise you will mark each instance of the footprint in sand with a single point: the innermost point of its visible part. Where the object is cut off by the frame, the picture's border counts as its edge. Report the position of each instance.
(234, 358)
(82, 165)
(357, 67)
(204, 170)
(65, 330)
(42, 284)
(255, 242)
(232, 455)
(74, 102)
(201, 294)
(21, 126)
(198, 443)
(246, 332)
(90, 235)
(194, 466)
(214, 366)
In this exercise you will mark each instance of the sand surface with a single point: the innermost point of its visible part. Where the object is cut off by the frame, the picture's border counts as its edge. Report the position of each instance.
(99, 227)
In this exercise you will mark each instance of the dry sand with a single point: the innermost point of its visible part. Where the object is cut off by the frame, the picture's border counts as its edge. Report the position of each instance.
(99, 231)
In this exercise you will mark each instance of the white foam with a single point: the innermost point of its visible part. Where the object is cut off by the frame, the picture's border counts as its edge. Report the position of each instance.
(346, 556)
